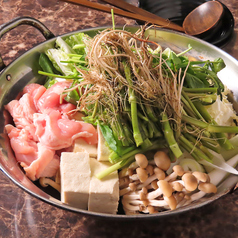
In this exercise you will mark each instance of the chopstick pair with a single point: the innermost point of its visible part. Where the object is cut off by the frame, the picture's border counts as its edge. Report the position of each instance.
(132, 12)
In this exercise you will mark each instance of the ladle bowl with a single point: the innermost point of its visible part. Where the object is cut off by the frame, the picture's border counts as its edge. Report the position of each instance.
(219, 33)
(204, 19)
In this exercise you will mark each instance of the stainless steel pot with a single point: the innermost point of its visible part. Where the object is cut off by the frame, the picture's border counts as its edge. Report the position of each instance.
(24, 70)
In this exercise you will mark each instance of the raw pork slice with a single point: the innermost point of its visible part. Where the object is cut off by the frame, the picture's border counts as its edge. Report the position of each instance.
(51, 99)
(56, 131)
(36, 159)
(43, 129)
(36, 91)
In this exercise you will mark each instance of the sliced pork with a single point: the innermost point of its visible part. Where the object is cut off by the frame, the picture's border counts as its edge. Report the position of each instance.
(51, 99)
(56, 131)
(43, 129)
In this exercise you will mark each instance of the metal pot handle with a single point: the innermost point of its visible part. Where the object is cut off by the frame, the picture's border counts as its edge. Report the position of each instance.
(24, 21)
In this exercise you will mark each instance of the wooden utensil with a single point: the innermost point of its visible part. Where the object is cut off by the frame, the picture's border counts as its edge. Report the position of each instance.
(154, 20)
(131, 8)
(203, 18)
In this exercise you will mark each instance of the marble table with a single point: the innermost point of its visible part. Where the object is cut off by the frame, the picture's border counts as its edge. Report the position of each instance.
(22, 215)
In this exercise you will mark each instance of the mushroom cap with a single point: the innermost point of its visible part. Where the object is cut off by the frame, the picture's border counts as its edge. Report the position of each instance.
(165, 187)
(162, 160)
(150, 169)
(132, 186)
(142, 174)
(154, 184)
(171, 202)
(190, 182)
(178, 169)
(151, 209)
(177, 186)
(144, 190)
(207, 187)
(203, 177)
(160, 174)
(141, 160)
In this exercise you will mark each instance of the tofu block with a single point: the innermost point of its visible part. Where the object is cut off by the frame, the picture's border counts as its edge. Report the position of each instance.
(103, 149)
(75, 179)
(104, 193)
(81, 145)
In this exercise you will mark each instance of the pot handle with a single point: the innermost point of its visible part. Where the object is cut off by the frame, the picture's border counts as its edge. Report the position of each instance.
(24, 21)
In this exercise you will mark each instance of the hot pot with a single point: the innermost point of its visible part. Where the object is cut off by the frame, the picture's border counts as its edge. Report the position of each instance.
(24, 70)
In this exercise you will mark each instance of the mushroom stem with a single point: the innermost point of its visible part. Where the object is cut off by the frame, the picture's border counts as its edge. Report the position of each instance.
(147, 182)
(44, 182)
(124, 191)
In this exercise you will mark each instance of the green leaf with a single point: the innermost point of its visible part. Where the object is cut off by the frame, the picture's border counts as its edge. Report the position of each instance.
(193, 81)
(217, 65)
(109, 137)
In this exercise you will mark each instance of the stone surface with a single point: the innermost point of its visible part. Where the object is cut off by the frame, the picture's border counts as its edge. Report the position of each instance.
(22, 215)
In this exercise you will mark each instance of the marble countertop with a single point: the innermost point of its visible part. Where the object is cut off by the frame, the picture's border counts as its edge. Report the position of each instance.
(22, 215)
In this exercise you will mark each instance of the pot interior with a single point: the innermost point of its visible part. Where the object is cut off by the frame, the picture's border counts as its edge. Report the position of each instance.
(24, 71)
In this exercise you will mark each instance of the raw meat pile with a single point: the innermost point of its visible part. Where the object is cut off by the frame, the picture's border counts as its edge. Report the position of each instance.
(43, 129)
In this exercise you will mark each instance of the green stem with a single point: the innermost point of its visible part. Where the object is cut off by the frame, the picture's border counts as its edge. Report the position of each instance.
(209, 127)
(73, 76)
(200, 90)
(132, 100)
(194, 109)
(198, 144)
(113, 168)
(222, 138)
(193, 148)
(169, 136)
(157, 144)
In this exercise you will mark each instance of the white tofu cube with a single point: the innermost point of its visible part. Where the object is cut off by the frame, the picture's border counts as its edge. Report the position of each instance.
(75, 179)
(103, 150)
(104, 193)
(80, 145)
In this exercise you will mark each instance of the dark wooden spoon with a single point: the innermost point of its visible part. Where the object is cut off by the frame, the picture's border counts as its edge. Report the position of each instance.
(203, 19)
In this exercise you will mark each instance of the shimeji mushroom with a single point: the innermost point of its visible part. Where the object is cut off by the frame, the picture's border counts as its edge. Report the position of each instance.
(150, 189)
(44, 182)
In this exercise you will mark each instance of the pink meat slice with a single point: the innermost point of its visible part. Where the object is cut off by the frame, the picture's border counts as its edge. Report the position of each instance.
(36, 91)
(36, 159)
(22, 110)
(24, 147)
(43, 129)
(51, 99)
(56, 131)
(46, 164)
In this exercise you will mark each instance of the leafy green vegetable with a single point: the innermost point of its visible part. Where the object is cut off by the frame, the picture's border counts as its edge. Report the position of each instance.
(142, 104)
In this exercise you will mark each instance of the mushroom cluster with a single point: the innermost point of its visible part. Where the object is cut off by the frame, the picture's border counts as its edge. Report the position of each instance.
(145, 187)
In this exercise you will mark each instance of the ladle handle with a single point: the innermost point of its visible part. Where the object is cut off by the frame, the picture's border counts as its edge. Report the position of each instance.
(24, 21)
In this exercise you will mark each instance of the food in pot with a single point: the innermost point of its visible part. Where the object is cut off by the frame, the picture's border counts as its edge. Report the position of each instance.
(118, 105)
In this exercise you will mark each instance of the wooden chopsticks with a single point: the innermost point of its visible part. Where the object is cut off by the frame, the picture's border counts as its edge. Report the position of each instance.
(134, 14)
(131, 8)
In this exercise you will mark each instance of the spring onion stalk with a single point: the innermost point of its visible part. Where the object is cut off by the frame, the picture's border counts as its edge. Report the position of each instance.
(198, 144)
(133, 102)
(193, 108)
(169, 136)
(73, 76)
(189, 164)
(217, 175)
(200, 154)
(200, 90)
(157, 144)
(222, 138)
(114, 168)
(209, 127)
(187, 148)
